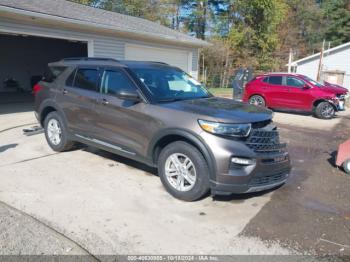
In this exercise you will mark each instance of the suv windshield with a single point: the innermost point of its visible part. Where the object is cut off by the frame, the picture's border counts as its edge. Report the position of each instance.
(170, 84)
(313, 81)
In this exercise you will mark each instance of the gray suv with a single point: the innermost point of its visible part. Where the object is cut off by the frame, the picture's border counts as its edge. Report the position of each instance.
(157, 114)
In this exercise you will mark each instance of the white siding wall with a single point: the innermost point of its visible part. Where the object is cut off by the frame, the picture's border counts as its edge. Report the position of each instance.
(195, 62)
(337, 60)
(99, 45)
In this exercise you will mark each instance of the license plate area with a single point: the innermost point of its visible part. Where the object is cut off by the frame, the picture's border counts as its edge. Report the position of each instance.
(276, 159)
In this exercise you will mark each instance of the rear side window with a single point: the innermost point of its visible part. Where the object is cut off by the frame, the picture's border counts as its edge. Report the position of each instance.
(114, 81)
(275, 80)
(86, 78)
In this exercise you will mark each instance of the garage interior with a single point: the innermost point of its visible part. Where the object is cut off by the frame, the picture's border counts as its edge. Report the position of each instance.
(23, 61)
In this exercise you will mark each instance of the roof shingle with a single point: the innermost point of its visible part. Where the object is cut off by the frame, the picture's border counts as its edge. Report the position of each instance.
(120, 22)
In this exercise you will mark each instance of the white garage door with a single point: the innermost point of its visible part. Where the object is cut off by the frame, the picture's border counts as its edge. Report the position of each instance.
(174, 57)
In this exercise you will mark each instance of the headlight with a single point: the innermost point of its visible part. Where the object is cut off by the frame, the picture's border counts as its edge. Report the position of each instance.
(235, 130)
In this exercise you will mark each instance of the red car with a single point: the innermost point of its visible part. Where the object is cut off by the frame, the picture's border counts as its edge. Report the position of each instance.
(295, 92)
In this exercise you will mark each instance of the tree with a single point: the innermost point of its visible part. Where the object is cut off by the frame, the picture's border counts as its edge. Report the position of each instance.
(301, 30)
(94, 3)
(254, 36)
(148, 9)
(337, 16)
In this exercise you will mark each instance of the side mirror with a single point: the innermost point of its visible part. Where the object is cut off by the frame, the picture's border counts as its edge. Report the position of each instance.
(129, 95)
(306, 87)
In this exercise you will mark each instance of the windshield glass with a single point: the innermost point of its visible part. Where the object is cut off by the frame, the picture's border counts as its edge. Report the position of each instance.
(313, 81)
(170, 84)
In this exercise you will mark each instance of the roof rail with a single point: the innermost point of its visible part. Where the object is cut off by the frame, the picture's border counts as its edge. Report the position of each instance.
(162, 63)
(88, 59)
(144, 61)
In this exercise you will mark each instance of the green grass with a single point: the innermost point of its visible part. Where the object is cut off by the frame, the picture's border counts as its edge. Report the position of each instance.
(221, 91)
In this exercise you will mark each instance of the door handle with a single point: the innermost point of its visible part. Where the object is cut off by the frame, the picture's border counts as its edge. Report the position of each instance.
(65, 91)
(104, 101)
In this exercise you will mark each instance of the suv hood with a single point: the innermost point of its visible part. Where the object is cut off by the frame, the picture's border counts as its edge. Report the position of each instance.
(335, 89)
(221, 110)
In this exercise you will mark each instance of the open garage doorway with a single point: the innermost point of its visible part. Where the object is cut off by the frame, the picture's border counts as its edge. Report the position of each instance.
(23, 61)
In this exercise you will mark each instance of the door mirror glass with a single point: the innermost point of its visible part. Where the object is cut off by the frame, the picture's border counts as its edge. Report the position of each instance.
(129, 95)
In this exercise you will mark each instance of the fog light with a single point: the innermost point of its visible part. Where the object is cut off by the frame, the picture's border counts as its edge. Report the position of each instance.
(242, 161)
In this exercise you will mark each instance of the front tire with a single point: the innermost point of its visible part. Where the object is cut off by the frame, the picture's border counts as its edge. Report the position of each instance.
(257, 100)
(183, 171)
(324, 110)
(56, 133)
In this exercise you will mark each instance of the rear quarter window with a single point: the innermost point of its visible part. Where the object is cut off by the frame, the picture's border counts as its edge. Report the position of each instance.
(70, 79)
(266, 80)
(52, 72)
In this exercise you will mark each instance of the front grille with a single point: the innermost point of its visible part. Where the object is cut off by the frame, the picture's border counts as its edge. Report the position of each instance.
(266, 180)
(265, 140)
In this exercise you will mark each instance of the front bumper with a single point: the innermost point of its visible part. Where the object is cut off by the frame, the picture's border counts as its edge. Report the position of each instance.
(267, 170)
(265, 174)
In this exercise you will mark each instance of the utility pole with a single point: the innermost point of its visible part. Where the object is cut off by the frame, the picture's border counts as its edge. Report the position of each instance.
(320, 65)
(290, 60)
(204, 73)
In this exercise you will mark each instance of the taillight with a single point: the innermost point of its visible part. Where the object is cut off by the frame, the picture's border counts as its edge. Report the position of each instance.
(36, 89)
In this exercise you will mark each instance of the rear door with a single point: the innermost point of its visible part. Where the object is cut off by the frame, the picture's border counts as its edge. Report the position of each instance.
(299, 98)
(78, 98)
(121, 124)
(275, 92)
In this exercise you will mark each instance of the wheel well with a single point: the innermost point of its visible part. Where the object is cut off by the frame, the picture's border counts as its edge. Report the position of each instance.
(45, 112)
(317, 102)
(164, 141)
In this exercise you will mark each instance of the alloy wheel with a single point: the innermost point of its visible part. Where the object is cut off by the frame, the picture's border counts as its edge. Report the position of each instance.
(257, 101)
(54, 131)
(327, 111)
(180, 172)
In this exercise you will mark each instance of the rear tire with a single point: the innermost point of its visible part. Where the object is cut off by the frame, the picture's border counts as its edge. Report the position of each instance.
(56, 133)
(183, 171)
(346, 166)
(324, 110)
(257, 100)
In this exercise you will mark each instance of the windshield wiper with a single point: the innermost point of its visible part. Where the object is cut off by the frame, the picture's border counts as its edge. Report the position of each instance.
(170, 100)
(180, 99)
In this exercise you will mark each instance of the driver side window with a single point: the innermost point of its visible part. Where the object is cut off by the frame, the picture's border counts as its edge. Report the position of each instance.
(295, 82)
(114, 81)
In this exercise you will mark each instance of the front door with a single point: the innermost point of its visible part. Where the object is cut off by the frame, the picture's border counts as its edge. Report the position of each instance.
(121, 124)
(299, 97)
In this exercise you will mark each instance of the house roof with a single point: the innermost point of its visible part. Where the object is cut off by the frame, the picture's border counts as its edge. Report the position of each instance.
(71, 12)
(326, 52)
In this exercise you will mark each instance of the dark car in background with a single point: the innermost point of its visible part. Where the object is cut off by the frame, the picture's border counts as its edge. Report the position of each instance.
(295, 92)
(158, 115)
